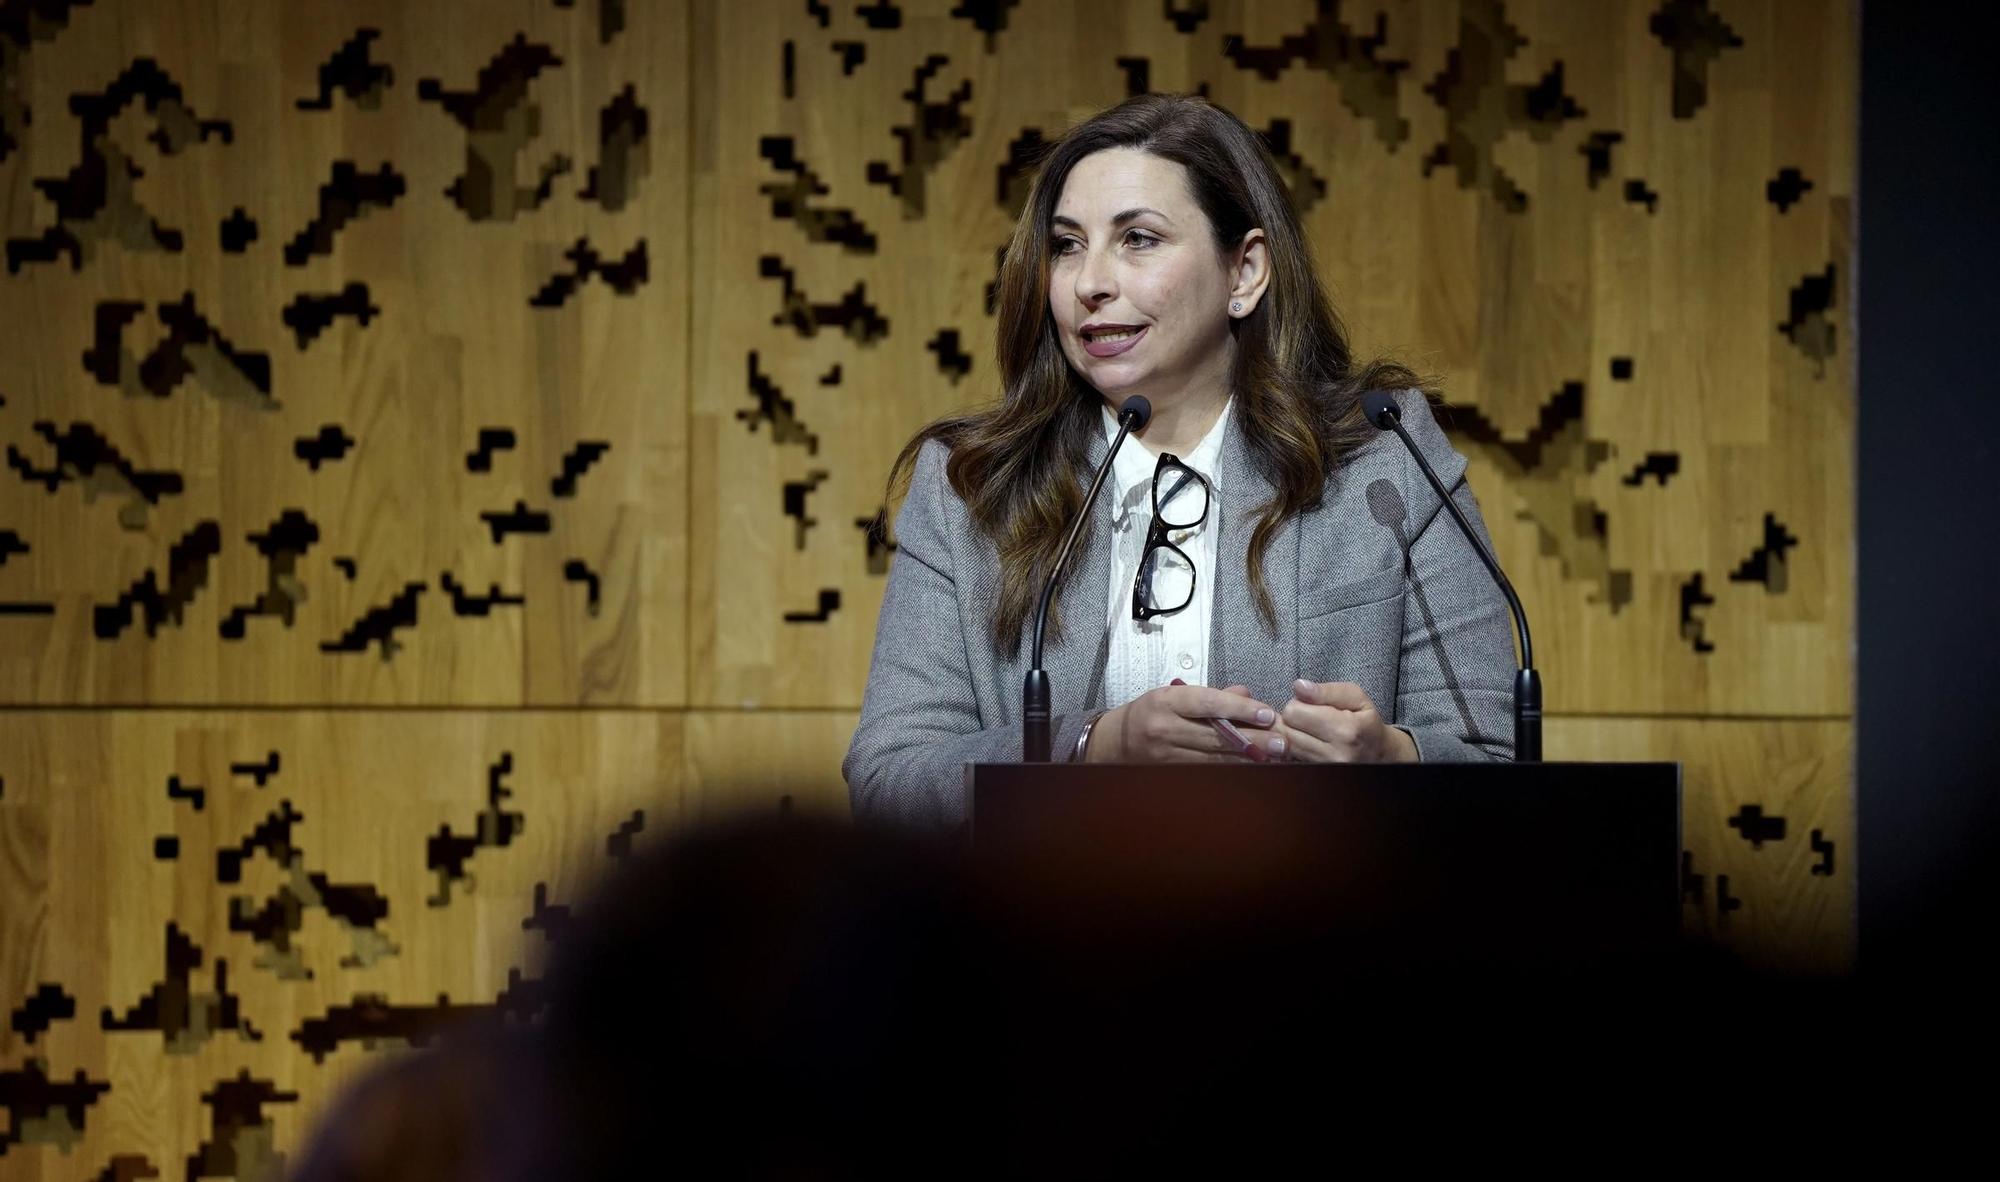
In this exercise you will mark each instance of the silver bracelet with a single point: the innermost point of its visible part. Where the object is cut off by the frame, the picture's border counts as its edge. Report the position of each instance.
(1083, 737)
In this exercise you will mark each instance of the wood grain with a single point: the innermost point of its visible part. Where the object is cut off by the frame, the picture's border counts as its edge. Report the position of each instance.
(750, 432)
(455, 347)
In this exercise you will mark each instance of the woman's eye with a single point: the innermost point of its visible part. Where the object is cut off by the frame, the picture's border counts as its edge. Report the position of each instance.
(1136, 238)
(1063, 246)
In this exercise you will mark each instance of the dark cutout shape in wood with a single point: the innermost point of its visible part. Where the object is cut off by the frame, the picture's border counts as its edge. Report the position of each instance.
(934, 129)
(500, 121)
(353, 72)
(282, 544)
(829, 602)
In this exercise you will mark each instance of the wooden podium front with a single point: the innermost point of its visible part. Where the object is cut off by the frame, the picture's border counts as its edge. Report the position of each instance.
(1487, 863)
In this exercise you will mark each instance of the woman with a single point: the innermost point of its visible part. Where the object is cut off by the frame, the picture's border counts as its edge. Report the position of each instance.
(1263, 537)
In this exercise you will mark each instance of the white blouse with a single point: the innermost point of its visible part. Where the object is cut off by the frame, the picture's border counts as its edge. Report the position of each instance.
(1145, 655)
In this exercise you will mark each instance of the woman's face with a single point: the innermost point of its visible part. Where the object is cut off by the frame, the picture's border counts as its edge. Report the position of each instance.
(1140, 295)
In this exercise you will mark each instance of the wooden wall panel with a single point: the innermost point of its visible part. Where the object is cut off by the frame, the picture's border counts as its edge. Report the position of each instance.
(1617, 233)
(89, 894)
(761, 759)
(1637, 313)
(87, 897)
(344, 445)
(1767, 828)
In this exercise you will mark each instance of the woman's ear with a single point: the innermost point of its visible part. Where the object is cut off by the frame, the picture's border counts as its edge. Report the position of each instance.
(1250, 270)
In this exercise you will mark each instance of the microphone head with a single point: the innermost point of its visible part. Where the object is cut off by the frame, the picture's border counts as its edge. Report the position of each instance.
(1381, 408)
(1138, 410)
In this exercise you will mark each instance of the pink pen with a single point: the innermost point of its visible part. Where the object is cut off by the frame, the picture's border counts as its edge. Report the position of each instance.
(1227, 730)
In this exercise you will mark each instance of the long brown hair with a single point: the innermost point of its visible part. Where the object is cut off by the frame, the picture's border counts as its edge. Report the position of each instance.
(1018, 464)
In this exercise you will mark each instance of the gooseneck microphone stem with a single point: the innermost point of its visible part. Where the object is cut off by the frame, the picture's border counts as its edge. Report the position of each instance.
(1035, 737)
(1384, 412)
(1485, 555)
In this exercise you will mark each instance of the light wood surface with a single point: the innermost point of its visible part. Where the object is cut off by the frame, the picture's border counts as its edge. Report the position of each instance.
(1766, 804)
(791, 235)
(88, 899)
(455, 348)
(1505, 308)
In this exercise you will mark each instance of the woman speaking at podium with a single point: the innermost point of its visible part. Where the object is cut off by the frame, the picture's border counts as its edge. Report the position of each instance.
(1265, 577)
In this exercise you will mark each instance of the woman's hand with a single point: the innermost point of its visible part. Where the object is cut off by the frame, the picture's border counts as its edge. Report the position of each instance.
(1334, 722)
(1171, 725)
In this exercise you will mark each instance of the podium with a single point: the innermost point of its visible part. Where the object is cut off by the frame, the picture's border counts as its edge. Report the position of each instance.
(1524, 864)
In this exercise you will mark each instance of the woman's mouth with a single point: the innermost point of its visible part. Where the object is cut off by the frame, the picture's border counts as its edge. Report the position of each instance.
(1111, 340)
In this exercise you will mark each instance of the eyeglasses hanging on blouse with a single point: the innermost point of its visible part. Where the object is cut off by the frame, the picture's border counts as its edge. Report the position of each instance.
(1165, 580)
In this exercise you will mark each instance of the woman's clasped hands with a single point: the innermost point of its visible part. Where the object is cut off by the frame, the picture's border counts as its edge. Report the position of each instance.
(1324, 722)
(1176, 724)
(1335, 722)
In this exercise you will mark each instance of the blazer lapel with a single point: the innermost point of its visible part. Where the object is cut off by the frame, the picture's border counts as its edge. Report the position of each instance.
(1242, 648)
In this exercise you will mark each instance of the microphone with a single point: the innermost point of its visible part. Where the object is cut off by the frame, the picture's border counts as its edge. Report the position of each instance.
(1132, 416)
(1381, 408)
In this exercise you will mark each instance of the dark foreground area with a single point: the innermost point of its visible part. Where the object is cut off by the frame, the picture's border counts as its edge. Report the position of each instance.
(804, 999)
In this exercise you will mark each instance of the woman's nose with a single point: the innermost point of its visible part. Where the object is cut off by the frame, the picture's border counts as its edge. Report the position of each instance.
(1095, 283)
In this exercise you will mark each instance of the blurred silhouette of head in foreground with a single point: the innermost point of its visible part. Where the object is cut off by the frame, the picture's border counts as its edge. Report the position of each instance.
(801, 998)
(760, 997)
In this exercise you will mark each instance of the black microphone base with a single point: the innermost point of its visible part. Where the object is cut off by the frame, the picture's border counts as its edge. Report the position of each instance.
(1035, 737)
(1527, 716)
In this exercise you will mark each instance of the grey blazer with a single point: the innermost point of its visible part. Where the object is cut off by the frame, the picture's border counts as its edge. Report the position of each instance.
(1376, 586)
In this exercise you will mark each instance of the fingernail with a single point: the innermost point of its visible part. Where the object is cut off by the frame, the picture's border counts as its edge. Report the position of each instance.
(1302, 684)
(1265, 717)
(1277, 746)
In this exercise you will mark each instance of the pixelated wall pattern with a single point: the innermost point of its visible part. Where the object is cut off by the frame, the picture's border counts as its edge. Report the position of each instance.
(22, 26)
(853, 314)
(500, 120)
(1807, 324)
(352, 71)
(447, 852)
(347, 194)
(184, 1017)
(239, 1143)
(1367, 80)
(83, 456)
(1495, 96)
(193, 347)
(354, 317)
(789, 199)
(47, 1005)
(623, 275)
(1696, 35)
(1306, 185)
(42, 1111)
(610, 17)
(276, 921)
(96, 203)
(934, 129)
(1481, 105)
(623, 128)
(1493, 189)
(309, 315)
(169, 1009)
(506, 353)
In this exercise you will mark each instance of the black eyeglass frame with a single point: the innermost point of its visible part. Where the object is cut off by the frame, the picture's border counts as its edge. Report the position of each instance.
(1156, 540)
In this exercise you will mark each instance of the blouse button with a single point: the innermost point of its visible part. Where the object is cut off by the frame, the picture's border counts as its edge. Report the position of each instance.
(1187, 661)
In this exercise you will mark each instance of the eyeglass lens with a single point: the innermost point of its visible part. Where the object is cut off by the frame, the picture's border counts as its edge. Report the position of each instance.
(1180, 498)
(1167, 582)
